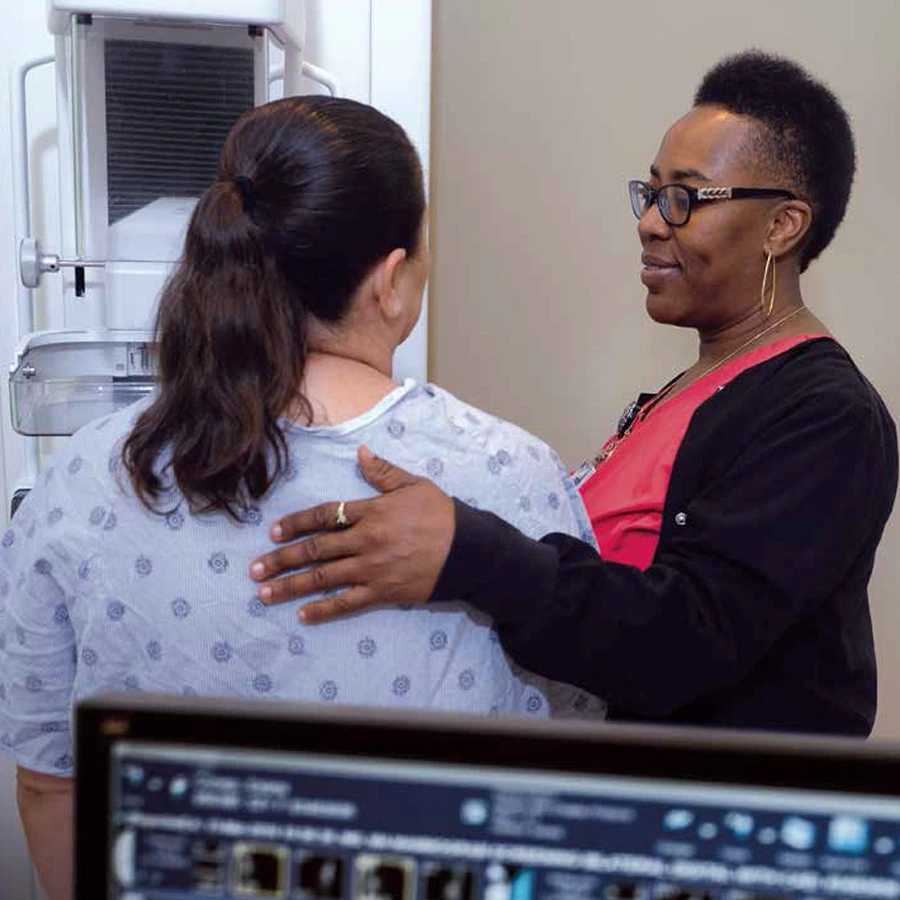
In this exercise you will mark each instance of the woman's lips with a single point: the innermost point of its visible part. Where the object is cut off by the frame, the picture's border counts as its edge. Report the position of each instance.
(657, 270)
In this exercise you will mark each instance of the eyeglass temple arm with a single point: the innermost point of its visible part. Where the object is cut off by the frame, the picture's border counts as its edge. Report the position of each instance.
(727, 193)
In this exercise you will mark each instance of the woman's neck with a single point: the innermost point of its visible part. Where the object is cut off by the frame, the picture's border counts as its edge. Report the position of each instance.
(340, 387)
(789, 317)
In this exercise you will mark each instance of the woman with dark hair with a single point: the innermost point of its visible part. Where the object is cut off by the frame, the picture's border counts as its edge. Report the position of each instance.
(303, 269)
(737, 510)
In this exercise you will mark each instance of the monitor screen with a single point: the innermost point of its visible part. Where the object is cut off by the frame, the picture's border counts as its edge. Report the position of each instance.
(194, 820)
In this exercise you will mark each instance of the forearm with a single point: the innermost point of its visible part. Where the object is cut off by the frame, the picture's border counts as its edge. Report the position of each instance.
(492, 563)
(46, 814)
(611, 629)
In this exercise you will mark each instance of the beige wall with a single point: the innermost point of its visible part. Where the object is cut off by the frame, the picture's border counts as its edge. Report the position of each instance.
(539, 119)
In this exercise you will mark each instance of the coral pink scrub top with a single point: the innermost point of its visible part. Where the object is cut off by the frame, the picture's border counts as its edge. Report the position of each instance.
(624, 488)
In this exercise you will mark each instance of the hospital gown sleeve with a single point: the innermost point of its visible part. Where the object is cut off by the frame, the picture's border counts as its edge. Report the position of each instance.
(37, 641)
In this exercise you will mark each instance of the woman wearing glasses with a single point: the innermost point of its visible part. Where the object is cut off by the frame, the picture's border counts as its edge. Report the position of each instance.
(737, 510)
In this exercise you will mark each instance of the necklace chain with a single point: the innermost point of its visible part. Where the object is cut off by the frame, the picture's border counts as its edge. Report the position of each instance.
(638, 414)
(719, 363)
(746, 344)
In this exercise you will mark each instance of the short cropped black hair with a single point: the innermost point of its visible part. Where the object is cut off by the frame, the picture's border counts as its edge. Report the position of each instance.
(805, 138)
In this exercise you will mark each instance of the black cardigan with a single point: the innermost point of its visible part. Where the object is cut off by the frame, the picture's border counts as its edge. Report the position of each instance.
(755, 610)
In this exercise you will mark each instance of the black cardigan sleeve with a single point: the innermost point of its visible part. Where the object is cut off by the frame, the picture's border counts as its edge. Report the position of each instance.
(756, 549)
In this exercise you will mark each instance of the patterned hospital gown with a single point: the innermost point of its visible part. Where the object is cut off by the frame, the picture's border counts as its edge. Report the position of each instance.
(97, 593)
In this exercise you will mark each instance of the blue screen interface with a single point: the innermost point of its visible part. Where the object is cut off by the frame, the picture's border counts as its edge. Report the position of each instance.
(192, 823)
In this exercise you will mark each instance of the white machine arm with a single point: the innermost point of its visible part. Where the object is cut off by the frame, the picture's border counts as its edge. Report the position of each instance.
(313, 73)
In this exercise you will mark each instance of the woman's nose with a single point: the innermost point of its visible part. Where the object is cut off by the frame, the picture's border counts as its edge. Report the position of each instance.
(652, 225)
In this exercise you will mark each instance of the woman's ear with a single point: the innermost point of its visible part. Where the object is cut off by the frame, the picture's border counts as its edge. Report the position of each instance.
(385, 284)
(789, 227)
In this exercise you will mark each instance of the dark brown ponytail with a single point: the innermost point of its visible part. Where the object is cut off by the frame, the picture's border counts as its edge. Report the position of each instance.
(312, 192)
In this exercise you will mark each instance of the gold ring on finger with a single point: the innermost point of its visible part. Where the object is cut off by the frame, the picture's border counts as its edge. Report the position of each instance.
(340, 517)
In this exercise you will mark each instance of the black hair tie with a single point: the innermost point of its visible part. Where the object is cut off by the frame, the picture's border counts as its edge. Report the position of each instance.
(244, 184)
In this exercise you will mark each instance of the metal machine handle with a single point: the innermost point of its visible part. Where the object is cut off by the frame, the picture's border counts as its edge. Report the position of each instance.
(33, 262)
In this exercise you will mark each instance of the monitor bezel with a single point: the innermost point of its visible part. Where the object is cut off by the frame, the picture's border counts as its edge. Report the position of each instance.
(731, 758)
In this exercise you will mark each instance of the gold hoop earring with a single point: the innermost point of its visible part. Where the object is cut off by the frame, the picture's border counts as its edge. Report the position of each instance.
(772, 263)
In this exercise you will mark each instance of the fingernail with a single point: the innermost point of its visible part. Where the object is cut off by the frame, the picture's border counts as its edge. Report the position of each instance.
(301, 615)
(264, 593)
(276, 532)
(257, 569)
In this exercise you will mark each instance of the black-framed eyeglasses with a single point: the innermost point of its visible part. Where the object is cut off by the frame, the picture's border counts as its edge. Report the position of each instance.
(675, 201)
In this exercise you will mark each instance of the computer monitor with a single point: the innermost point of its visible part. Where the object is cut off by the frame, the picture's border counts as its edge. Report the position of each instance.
(180, 799)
